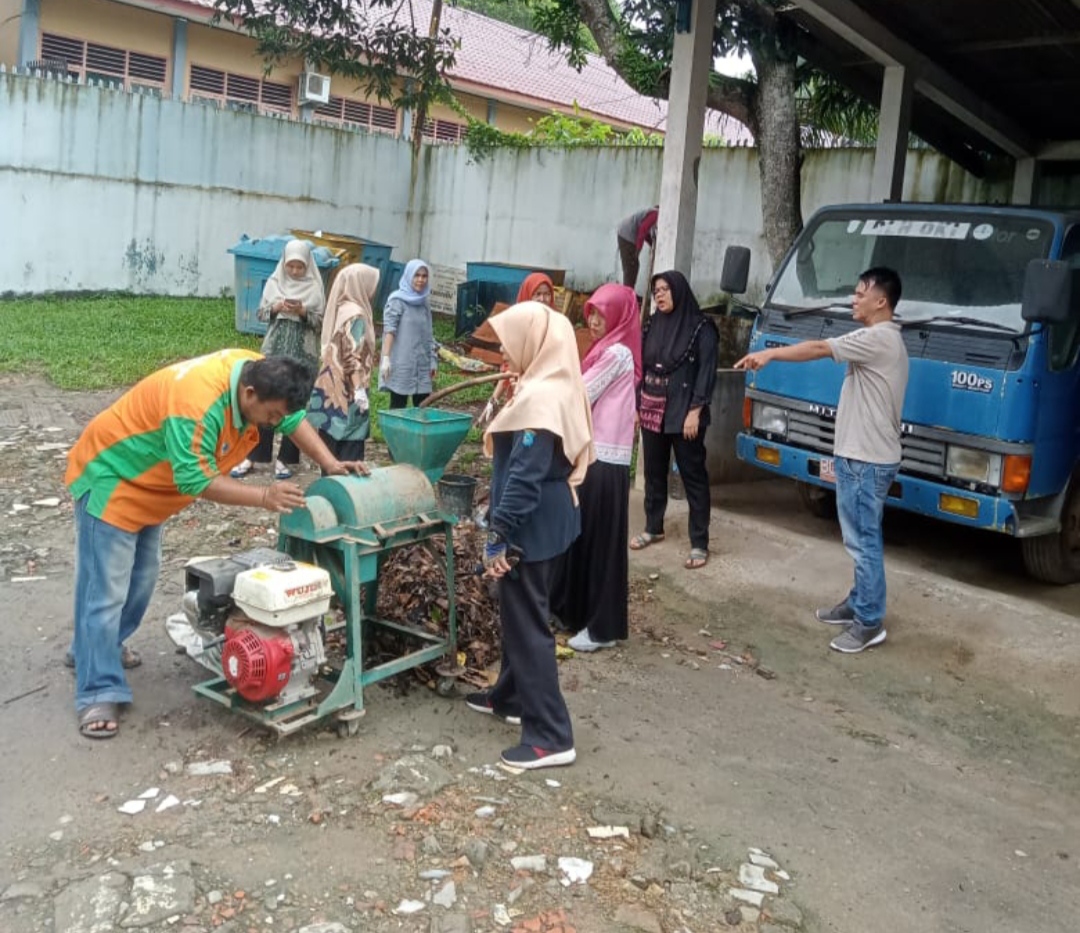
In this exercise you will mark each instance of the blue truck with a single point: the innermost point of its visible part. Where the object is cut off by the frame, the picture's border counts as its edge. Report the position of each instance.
(991, 320)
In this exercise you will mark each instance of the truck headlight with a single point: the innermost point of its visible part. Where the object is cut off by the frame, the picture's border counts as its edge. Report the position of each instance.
(973, 466)
(768, 419)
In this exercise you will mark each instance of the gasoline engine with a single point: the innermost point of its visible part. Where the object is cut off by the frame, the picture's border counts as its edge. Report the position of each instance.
(265, 612)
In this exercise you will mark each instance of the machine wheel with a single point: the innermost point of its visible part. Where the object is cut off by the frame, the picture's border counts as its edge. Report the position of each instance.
(346, 729)
(1056, 558)
(446, 687)
(348, 722)
(819, 502)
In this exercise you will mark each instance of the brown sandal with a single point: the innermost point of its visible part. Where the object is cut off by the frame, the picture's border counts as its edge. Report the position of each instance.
(698, 558)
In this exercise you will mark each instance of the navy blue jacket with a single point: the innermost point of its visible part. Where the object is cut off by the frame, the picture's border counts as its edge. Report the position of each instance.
(531, 503)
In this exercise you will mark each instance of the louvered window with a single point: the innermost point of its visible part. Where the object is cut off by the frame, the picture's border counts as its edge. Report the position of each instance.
(277, 96)
(443, 131)
(104, 63)
(238, 92)
(355, 113)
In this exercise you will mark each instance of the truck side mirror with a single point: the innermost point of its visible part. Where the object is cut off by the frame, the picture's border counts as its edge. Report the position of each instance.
(1048, 292)
(736, 270)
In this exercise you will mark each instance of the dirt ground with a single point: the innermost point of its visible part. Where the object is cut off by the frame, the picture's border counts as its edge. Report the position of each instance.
(929, 785)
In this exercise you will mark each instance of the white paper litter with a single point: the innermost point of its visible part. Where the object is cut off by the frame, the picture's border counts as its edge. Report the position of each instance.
(575, 870)
(409, 907)
(209, 768)
(131, 807)
(168, 803)
(608, 832)
(150, 793)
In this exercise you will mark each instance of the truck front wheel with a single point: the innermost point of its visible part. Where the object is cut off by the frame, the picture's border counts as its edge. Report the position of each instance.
(819, 502)
(1056, 558)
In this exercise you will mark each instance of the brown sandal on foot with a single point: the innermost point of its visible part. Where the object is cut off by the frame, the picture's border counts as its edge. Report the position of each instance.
(698, 558)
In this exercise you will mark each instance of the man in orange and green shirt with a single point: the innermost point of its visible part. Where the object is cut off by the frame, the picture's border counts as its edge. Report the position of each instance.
(169, 440)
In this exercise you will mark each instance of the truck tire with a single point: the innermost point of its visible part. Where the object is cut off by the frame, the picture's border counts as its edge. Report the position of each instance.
(1056, 558)
(821, 503)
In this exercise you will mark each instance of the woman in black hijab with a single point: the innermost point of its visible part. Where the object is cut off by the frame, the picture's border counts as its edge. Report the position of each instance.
(678, 353)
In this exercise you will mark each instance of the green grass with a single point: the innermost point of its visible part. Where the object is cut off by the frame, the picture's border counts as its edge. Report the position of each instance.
(112, 341)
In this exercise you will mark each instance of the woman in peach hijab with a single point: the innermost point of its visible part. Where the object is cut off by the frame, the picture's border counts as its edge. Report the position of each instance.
(541, 442)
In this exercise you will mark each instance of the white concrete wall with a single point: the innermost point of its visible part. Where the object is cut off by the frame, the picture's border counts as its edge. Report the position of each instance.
(104, 191)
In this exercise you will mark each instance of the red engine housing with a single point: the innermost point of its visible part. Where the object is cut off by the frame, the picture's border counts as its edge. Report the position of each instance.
(256, 661)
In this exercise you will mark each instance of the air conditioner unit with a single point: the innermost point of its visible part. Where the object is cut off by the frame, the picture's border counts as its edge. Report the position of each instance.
(314, 89)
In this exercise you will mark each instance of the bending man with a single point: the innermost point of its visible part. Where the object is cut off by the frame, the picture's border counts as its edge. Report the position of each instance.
(169, 440)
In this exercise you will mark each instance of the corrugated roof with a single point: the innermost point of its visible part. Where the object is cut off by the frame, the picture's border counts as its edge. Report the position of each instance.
(505, 58)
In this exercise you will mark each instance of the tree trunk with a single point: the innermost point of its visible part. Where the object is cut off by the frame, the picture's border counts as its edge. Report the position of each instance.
(775, 125)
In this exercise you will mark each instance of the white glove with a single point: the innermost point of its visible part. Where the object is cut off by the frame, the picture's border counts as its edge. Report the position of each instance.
(361, 399)
(384, 368)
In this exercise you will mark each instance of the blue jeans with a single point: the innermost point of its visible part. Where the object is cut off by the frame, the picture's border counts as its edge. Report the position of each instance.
(861, 489)
(115, 573)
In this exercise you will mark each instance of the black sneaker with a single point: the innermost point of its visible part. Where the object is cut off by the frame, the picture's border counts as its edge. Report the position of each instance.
(858, 637)
(529, 757)
(481, 703)
(840, 614)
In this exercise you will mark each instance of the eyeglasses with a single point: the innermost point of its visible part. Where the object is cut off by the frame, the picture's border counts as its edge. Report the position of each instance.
(661, 290)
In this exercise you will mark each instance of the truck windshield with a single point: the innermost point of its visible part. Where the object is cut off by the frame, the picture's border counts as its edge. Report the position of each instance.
(972, 267)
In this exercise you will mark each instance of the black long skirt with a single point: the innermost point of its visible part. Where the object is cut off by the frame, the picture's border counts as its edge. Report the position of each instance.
(597, 567)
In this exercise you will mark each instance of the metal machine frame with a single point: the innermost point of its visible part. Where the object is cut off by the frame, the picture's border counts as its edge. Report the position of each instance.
(334, 532)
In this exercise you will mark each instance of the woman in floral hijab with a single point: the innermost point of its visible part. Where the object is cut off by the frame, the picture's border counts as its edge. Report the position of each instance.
(339, 406)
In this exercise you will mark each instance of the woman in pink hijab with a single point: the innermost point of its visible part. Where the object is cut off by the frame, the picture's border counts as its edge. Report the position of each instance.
(594, 602)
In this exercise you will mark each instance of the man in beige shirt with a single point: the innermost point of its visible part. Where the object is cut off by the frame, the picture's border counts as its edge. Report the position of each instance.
(866, 445)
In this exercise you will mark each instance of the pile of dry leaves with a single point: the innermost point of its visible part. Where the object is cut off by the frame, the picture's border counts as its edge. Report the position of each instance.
(412, 590)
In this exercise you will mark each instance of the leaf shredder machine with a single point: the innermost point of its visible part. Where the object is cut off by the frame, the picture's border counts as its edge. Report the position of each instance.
(260, 616)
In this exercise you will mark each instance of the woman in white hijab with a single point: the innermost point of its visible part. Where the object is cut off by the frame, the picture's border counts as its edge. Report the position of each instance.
(542, 445)
(292, 302)
(339, 407)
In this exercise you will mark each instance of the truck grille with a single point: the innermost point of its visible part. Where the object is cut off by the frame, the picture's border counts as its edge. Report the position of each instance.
(919, 455)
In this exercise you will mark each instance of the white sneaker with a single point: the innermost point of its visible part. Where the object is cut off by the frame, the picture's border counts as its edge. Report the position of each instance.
(582, 641)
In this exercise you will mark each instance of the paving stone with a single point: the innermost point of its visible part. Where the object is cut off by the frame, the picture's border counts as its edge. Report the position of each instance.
(450, 923)
(637, 917)
(22, 890)
(158, 893)
(785, 912)
(750, 897)
(90, 906)
(416, 773)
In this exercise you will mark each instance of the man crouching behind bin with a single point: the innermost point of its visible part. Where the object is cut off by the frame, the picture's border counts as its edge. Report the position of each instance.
(542, 445)
(171, 439)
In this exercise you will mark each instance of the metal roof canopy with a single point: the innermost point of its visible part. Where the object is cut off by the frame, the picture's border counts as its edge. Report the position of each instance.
(988, 76)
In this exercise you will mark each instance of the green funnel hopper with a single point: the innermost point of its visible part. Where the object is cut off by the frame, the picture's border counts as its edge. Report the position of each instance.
(424, 437)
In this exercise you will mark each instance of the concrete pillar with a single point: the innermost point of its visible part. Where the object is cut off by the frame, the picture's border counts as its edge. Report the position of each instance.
(492, 108)
(29, 31)
(179, 58)
(894, 126)
(1023, 186)
(406, 123)
(691, 66)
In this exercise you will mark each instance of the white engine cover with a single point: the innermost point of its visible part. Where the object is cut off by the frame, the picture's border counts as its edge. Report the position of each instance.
(285, 595)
